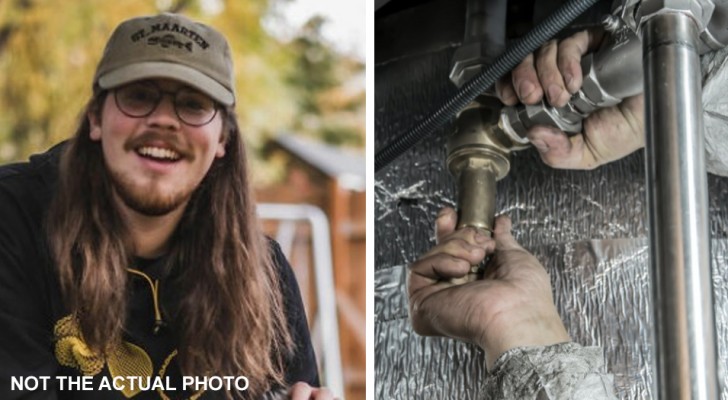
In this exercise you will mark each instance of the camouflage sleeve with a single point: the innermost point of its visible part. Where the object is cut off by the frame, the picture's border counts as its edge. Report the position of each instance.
(715, 111)
(556, 372)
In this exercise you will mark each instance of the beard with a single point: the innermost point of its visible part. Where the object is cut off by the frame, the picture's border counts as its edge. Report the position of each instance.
(147, 201)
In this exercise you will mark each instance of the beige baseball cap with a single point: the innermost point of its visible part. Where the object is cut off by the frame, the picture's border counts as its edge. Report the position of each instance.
(168, 46)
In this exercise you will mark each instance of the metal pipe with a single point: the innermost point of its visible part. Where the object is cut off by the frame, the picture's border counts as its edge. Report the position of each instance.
(476, 183)
(325, 294)
(477, 156)
(485, 22)
(678, 203)
(485, 39)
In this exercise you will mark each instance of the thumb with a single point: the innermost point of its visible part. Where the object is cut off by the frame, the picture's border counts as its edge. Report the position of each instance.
(504, 240)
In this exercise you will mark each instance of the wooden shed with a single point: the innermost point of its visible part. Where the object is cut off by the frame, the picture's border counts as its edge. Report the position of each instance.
(334, 180)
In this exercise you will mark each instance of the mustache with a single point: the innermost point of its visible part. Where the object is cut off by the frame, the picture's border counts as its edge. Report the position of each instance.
(172, 142)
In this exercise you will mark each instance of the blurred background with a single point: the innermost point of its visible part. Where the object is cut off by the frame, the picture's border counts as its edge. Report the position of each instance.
(301, 104)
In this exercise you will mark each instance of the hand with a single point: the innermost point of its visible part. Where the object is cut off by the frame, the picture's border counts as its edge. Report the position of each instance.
(303, 391)
(512, 306)
(555, 69)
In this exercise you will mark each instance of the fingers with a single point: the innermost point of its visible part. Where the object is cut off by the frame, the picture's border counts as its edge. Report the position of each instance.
(461, 243)
(322, 394)
(609, 134)
(438, 267)
(559, 150)
(445, 223)
(550, 76)
(571, 50)
(504, 240)
(454, 255)
(554, 71)
(303, 391)
(525, 81)
(452, 258)
(505, 91)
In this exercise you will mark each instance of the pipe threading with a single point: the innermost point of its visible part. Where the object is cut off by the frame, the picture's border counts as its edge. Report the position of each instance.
(513, 55)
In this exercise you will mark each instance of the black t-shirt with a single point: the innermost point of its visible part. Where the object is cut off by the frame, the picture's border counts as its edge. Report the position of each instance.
(31, 307)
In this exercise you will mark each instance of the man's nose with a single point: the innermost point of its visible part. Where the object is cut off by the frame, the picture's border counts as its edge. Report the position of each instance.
(164, 115)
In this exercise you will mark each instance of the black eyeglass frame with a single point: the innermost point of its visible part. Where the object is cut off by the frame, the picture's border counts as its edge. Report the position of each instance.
(216, 106)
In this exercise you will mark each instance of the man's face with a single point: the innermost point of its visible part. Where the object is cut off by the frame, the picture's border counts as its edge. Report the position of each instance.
(157, 161)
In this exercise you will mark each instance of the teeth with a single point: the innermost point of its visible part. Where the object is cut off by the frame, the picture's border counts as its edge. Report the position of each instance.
(160, 153)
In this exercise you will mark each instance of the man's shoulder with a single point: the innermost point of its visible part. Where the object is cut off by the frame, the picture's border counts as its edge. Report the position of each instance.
(276, 254)
(38, 164)
(280, 262)
(30, 183)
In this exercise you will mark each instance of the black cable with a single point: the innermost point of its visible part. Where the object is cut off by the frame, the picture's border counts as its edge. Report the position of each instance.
(510, 58)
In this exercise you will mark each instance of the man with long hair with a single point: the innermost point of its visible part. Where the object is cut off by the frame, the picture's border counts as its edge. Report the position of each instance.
(131, 261)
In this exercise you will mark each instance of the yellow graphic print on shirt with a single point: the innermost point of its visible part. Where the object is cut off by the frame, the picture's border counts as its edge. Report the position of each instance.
(124, 358)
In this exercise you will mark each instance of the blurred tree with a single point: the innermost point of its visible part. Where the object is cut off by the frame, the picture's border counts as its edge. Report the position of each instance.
(331, 104)
(315, 64)
(46, 65)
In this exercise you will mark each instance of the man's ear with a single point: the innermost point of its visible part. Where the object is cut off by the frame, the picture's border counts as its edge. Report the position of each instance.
(224, 135)
(220, 153)
(94, 124)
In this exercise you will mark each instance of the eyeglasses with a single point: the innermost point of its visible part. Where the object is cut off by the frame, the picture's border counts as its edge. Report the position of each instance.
(140, 99)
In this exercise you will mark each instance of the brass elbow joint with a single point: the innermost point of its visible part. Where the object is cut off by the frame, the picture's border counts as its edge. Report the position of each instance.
(478, 157)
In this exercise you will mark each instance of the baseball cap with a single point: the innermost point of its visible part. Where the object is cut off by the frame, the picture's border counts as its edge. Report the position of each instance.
(168, 46)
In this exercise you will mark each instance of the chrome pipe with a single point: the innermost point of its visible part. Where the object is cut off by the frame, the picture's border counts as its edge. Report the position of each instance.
(678, 210)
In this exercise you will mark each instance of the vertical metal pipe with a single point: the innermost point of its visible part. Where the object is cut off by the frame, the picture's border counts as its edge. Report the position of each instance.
(485, 22)
(678, 203)
(476, 194)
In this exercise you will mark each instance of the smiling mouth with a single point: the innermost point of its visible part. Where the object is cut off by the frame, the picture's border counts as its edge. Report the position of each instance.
(158, 154)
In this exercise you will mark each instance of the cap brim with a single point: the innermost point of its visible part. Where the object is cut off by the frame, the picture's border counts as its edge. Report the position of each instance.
(182, 73)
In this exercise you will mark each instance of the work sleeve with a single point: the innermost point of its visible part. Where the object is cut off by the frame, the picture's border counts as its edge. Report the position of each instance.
(25, 332)
(715, 111)
(556, 372)
(301, 365)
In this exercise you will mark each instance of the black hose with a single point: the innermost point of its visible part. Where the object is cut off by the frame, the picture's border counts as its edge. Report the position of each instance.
(502, 65)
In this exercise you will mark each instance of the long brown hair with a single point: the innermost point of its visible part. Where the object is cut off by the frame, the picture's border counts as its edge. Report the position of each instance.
(231, 315)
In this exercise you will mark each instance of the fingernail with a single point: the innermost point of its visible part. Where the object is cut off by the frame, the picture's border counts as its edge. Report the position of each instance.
(568, 79)
(510, 99)
(525, 89)
(554, 94)
(480, 237)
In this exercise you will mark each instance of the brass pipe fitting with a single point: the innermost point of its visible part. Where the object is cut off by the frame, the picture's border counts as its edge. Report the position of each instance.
(478, 157)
